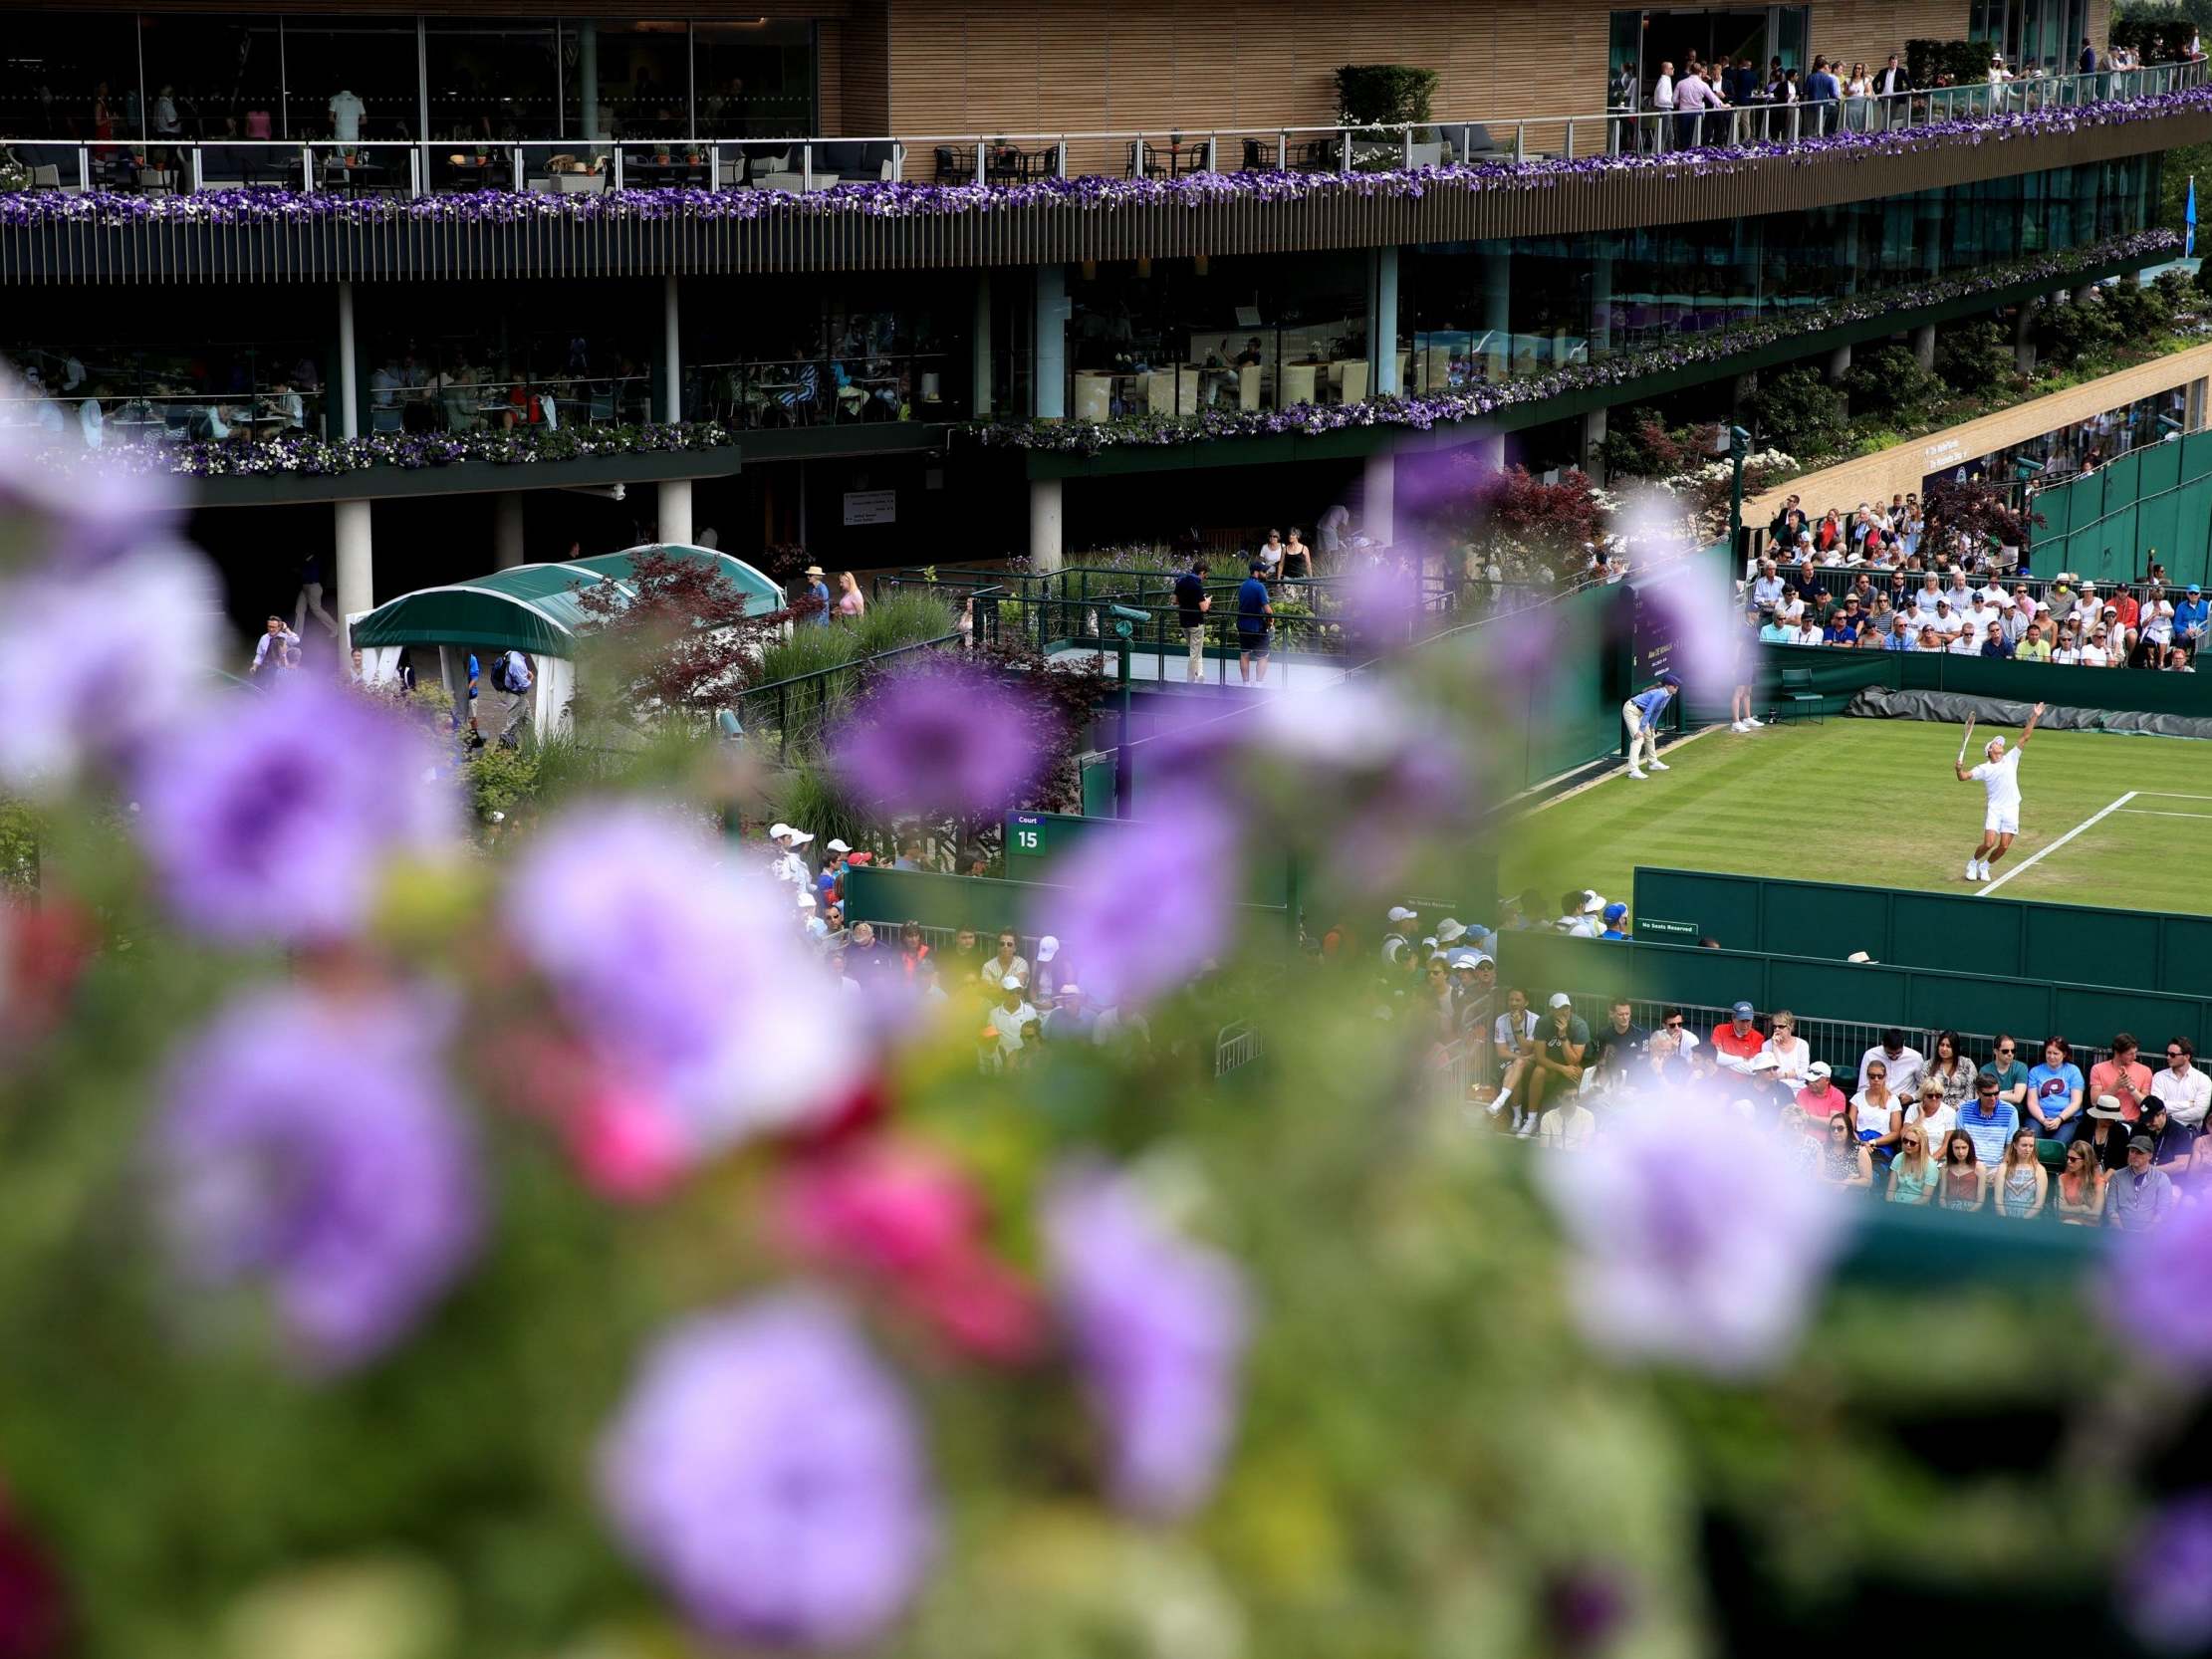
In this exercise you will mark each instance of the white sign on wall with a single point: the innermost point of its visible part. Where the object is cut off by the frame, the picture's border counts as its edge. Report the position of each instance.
(872, 507)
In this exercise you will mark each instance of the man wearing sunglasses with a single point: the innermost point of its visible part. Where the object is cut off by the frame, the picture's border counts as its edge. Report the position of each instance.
(2186, 1090)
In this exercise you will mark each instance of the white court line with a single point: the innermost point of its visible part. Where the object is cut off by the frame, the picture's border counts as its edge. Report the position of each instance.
(2151, 812)
(2094, 818)
(2168, 795)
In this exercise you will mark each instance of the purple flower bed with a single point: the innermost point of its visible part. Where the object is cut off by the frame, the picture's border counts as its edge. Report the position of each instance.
(1447, 407)
(314, 458)
(899, 200)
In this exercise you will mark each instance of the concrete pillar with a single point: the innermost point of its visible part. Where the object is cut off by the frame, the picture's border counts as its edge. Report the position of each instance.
(1497, 313)
(1379, 499)
(1490, 452)
(1924, 345)
(675, 510)
(1741, 390)
(2193, 405)
(1045, 524)
(1839, 363)
(1052, 343)
(2023, 338)
(587, 76)
(357, 564)
(1382, 323)
(1600, 307)
(349, 366)
(1594, 442)
(507, 549)
(979, 401)
(671, 352)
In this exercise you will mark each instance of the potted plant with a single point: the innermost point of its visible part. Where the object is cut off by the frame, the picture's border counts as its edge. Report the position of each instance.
(661, 155)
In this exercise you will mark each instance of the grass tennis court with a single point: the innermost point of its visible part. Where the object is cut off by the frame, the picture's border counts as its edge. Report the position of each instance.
(1874, 801)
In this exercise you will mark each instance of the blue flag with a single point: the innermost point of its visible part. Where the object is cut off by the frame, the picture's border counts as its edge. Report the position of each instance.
(2189, 218)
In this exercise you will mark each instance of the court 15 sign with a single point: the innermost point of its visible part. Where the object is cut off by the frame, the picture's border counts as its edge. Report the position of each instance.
(1033, 837)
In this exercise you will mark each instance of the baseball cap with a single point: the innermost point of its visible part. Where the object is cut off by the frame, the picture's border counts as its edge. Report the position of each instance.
(1400, 913)
(1615, 911)
(1820, 1069)
(804, 899)
(1482, 958)
(1071, 988)
(1560, 999)
(1010, 983)
(2142, 1143)
(1461, 959)
(1591, 901)
(2152, 1105)
(1742, 1011)
(779, 829)
(836, 847)
(1047, 948)
(800, 837)
(1674, 681)
(2194, 589)
(1765, 1062)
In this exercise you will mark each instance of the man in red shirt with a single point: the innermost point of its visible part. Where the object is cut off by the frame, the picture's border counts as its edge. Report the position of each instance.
(1743, 1038)
(2123, 1075)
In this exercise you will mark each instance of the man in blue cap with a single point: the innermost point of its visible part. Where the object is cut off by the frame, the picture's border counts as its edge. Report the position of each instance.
(2189, 619)
(1617, 921)
(1640, 714)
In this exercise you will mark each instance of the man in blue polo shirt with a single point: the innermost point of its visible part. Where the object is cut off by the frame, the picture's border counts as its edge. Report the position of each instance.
(1255, 620)
(1640, 714)
(2189, 619)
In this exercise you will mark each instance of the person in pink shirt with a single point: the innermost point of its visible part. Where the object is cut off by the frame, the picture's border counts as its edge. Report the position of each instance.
(2125, 1077)
(1820, 1101)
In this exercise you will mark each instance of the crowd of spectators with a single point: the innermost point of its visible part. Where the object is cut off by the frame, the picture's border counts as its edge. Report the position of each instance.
(1017, 1006)
(2018, 1128)
(1905, 595)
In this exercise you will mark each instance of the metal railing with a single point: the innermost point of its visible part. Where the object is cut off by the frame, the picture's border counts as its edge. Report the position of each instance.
(415, 167)
(1236, 1043)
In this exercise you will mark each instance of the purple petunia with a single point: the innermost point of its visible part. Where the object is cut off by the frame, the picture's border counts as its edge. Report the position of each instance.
(767, 1469)
(2159, 1295)
(1140, 906)
(1695, 1238)
(1158, 1326)
(311, 1147)
(97, 660)
(684, 972)
(2166, 1591)
(941, 741)
(273, 816)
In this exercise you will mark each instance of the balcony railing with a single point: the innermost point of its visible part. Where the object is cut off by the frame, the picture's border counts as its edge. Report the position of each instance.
(413, 169)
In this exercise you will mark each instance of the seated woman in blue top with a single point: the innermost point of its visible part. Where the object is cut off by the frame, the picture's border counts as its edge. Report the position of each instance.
(2053, 1103)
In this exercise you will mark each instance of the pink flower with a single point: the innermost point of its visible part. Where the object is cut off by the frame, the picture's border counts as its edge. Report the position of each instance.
(626, 1146)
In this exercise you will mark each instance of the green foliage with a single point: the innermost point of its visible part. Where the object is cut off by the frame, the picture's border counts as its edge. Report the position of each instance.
(1639, 445)
(1964, 61)
(19, 847)
(1891, 383)
(903, 616)
(812, 795)
(499, 777)
(2181, 163)
(1384, 93)
(2066, 333)
(1799, 412)
(1975, 359)
(809, 648)
(2136, 311)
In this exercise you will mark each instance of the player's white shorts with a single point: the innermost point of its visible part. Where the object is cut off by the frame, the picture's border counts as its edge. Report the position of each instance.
(2002, 821)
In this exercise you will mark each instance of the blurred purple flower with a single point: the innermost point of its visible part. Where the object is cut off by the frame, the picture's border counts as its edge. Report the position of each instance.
(2159, 1295)
(1694, 601)
(1142, 905)
(942, 741)
(2166, 1593)
(313, 1146)
(767, 1469)
(96, 662)
(1696, 1239)
(271, 817)
(687, 976)
(1158, 1329)
(106, 506)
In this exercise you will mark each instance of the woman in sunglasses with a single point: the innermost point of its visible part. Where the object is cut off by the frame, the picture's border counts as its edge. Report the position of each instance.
(1843, 1162)
(1912, 1178)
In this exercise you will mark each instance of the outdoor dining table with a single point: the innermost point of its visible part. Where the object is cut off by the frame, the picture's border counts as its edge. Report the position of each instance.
(666, 173)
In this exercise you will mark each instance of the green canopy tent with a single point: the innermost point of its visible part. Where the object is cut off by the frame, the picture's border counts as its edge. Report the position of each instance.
(534, 609)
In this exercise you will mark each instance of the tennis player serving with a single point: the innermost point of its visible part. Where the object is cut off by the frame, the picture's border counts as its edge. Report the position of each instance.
(1999, 774)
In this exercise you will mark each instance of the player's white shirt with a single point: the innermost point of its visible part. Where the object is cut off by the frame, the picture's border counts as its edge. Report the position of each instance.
(2001, 779)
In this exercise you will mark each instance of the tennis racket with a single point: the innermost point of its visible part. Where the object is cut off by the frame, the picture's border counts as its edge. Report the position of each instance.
(1965, 739)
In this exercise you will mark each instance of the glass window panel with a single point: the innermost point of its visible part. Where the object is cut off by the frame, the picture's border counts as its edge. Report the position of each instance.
(69, 75)
(346, 80)
(212, 77)
(492, 81)
(627, 78)
(755, 80)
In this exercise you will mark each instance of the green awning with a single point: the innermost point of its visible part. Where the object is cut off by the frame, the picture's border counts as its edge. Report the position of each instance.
(533, 607)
